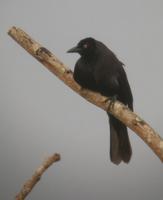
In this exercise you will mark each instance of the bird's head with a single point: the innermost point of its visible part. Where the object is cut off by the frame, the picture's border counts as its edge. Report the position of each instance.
(85, 47)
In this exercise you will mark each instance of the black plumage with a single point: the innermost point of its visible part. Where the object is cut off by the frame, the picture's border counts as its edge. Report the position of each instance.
(99, 69)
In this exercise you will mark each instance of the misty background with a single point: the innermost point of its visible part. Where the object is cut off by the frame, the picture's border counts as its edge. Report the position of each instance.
(39, 115)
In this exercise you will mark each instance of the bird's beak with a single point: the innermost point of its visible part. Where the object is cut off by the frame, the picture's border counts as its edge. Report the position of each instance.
(74, 50)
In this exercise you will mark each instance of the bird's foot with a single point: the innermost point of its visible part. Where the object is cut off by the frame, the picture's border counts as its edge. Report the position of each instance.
(112, 100)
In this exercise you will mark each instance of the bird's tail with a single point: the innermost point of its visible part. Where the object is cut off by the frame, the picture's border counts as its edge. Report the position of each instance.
(120, 148)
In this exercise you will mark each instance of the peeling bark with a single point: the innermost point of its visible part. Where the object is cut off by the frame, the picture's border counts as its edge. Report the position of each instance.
(120, 111)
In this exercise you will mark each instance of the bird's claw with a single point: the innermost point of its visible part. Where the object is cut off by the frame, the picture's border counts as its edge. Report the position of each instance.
(112, 101)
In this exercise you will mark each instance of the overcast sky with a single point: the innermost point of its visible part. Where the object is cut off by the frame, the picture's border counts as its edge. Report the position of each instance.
(39, 115)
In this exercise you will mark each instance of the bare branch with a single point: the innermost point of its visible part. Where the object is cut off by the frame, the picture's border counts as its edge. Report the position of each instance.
(120, 111)
(28, 186)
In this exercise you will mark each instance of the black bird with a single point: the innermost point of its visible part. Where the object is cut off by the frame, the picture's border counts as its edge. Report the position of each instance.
(99, 69)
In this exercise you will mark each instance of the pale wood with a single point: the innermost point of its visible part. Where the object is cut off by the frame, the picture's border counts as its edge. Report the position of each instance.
(29, 184)
(120, 111)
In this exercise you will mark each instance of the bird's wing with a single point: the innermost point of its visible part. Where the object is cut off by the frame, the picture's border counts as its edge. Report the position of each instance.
(106, 77)
(125, 90)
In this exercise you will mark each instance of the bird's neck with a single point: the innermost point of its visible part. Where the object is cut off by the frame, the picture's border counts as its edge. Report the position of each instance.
(89, 57)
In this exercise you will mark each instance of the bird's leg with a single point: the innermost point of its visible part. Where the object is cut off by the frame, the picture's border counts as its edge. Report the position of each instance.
(112, 100)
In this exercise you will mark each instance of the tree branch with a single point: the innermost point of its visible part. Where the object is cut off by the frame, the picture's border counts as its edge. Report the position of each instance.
(120, 111)
(28, 186)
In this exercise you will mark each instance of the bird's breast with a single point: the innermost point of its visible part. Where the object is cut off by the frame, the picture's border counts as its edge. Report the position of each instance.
(84, 76)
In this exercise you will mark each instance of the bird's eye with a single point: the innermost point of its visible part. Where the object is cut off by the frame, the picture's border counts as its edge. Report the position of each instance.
(85, 46)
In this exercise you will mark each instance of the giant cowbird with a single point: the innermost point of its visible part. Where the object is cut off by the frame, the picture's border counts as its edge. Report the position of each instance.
(99, 70)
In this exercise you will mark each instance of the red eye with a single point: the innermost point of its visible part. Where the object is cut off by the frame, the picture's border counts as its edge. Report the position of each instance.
(85, 46)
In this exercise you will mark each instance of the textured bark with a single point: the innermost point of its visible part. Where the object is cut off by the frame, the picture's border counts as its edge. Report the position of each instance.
(28, 186)
(120, 111)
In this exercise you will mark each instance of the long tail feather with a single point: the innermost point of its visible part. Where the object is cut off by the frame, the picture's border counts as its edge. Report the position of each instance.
(120, 148)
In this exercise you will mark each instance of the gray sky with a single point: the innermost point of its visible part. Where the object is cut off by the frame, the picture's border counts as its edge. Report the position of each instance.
(40, 115)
